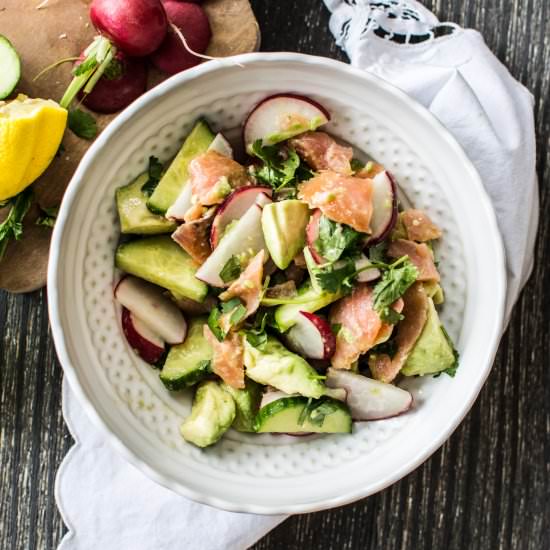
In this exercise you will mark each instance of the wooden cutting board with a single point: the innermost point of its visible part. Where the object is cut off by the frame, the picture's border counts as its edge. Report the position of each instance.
(45, 32)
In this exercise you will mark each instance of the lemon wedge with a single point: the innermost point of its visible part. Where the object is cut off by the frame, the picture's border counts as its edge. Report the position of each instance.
(31, 131)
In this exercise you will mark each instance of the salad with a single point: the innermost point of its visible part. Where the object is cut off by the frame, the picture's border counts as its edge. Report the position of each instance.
(290, 288)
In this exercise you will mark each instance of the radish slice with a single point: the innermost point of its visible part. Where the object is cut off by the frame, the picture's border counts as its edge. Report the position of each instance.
(183, 203)
(369, 399)
(148, 345)
(311, 337)
(312, 234)
(281, 117)
(148, 303)
(368, 275)
(221, 146)
(234, 207)
(246, 237)
(384, 202)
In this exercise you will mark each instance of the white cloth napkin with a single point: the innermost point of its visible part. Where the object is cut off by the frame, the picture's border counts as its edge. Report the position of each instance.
(108, 504)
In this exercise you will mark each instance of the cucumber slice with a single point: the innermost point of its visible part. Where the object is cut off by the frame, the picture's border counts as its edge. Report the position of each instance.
(211, 416)
(10, 65)
(308, 300)
(247, 402)
(175, 177)
(161, 261)
(188, 363)
(302, 415)
(133, 213)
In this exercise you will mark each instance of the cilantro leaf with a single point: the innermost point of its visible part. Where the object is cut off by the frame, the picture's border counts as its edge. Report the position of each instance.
(230, 305)
(395, 281)
(257, 336)
(390, 316)
(377, 253)
(12, 226)
(335, 278)
(214, 324)
(280, 166)
(451, 371)
(47, 219)
(335, 238)
(155, 174)
(316, 410)
(357, 165)
(82, 124)
(231, 270)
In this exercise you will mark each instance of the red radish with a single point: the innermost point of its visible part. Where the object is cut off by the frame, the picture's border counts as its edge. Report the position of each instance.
(148, 303)
(311, 337)
(246, 236)
(282, 116)
(123, 82)
(384, 213)
(369, 399)
(312, 234)
(137, 27)
(192, 21)
(183, 203)
(148, 345)
(234, 208)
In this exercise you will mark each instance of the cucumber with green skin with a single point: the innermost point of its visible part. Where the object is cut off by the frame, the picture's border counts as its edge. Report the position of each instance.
(297, 414)
(175, 178)
(10, 67)
(188, 363)
(134, 216)
(162, 262)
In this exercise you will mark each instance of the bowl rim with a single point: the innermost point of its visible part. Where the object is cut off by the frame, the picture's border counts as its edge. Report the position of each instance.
(499, 282)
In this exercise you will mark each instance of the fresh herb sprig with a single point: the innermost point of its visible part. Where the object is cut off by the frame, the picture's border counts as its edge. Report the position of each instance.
(336, 238)
(48, 216)
(12, 226)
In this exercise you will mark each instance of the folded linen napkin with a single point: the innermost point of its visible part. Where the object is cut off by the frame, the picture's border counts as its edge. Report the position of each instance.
(105, 502)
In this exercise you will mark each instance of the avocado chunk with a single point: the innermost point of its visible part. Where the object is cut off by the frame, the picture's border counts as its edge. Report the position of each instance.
(247, 402)
(175, 178)
(188, 363)
(275, 366)
(433, 351)
(284, 227)
(212, 414)
(308, 300)
(161, 261)
(133, 213)
(297, 414)
(435, 292)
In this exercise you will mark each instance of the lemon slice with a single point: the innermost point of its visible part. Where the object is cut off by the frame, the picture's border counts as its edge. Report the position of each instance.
(31, 131)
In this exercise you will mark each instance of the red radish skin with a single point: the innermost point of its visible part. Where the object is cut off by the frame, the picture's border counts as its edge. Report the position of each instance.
(113, 94)
(312, 233)
(260, 118)
(311, 337)
(137, 27)
(192, 21)
(149, 347)
(233, 208)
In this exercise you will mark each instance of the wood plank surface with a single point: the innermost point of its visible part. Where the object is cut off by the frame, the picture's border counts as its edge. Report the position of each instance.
(488, 488)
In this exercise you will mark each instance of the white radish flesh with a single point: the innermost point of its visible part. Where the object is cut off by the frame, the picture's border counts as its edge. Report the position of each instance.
(384, 203)
(311, 337)
(148, 303)
(369, 399)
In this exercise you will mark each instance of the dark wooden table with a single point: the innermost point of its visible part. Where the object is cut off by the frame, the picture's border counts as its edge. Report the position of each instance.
(487, 488)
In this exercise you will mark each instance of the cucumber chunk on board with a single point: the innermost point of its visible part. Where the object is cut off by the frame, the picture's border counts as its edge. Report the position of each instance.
(10, 67)
(161, 261)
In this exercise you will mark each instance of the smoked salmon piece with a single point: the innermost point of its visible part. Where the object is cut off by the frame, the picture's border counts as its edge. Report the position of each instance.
(415, 312)
(322, 152)
(343, 199)
(419, 254)
(227, 358)
(248, 287)
(194, 237)
(360, 325)
(419, 227)
(210, 173)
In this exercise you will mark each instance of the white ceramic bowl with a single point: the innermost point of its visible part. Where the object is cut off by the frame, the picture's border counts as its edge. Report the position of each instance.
(272, 474)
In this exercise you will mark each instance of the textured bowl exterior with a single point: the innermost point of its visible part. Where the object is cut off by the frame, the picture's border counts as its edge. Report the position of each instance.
(269, 474)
